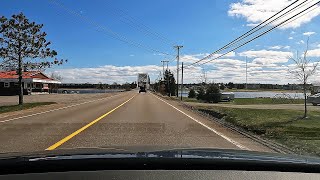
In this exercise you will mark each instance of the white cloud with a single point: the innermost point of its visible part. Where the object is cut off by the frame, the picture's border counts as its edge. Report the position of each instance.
(264, 68)
(227, 62)
(107, 73)
(314, 53)
(191, 58)
(131, 55)
(309, 33)
(279, 47)
(290, 37)
(275, 47)
(267, 57)
(220, 70)
(264, 61)
(256, 11)
(300, 42)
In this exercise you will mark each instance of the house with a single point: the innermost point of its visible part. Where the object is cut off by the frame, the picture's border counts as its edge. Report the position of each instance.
(32, 81)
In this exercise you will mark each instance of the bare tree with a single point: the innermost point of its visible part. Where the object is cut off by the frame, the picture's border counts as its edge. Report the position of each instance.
(203, 79)
(56, 76)
(302, 71)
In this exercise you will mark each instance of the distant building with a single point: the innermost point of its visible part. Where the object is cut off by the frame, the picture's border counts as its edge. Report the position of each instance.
(32, 81)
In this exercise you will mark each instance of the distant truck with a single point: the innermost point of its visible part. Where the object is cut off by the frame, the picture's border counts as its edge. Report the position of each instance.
(143, 82)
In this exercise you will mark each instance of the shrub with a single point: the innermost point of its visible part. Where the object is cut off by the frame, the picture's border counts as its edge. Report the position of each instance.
(192, 94)
(213, 94)
(201, 94)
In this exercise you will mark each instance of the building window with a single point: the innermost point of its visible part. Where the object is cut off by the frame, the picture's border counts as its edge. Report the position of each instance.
(6, 84)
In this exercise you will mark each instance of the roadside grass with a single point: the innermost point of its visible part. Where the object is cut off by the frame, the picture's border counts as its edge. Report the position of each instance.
(4, 109)
(186, 99)
(283, 126)
(247, 101)
(261, 90)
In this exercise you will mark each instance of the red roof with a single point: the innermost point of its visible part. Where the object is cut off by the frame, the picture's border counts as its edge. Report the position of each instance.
(25, 75)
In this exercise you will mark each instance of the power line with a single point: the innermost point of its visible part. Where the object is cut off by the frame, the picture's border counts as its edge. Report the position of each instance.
(284, 14)
(133, 22)
(110, 32)
(138, 25)
(255, 29)
(301, 15)
(263, 33)
(224, 47)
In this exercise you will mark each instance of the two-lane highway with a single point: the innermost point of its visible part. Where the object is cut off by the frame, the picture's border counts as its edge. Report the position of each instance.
(124, 120)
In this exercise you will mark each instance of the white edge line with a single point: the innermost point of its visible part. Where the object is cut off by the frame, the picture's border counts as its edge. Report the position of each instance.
(206, 126)
(57, 109)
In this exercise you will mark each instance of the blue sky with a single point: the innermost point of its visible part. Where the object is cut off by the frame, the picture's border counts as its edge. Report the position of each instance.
(80, 32)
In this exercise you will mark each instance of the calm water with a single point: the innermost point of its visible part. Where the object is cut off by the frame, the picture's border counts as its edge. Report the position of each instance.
(262, 94)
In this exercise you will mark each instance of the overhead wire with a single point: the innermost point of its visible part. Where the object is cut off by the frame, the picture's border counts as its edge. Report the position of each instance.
(135, 23)
(108, 30)
(286, 13)
(263, 33)
(241, 37)
(138, 25)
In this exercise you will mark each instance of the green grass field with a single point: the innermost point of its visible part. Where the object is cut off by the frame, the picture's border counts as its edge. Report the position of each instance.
(247, 101)
(283, 126)
(4, 109)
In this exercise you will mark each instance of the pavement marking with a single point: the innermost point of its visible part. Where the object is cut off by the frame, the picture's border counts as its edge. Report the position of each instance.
(66, 107)
(206, 126)
(59, 143)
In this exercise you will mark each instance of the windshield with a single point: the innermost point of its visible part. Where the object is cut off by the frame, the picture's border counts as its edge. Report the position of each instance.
(159, 75)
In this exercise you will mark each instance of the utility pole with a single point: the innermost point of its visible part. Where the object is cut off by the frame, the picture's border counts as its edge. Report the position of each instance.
(246, 73)
(178, 58)
(165, 74)
(181, 81)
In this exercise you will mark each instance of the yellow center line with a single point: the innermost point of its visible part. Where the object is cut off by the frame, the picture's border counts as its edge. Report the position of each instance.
(59, 143)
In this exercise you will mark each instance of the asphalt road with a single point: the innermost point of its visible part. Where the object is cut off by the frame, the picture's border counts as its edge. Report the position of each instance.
(126, 119)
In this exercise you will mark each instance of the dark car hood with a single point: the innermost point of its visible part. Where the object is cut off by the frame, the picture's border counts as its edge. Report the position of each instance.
(144, 158)
(147, 152)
